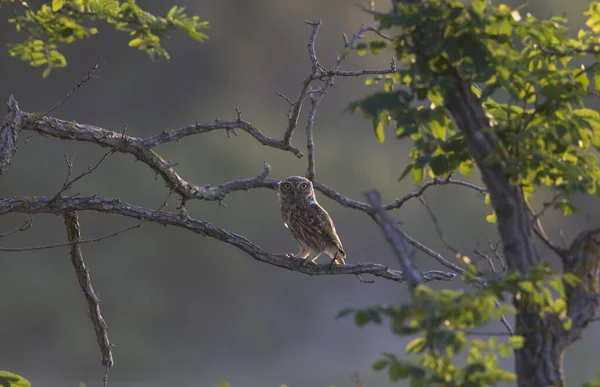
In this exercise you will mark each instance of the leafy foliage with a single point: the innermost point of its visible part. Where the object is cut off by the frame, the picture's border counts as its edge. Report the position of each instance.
(66, 21)
(446, 321)
(8, 379)
(523, 71)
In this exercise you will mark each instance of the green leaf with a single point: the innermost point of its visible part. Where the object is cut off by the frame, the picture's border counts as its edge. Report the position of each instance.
(172, 12)
(377, 46)
(418, 174)
(361, 317)
(406, 171)
(416, 346)
(136, 42)
(527, 286)
(491, 218)
(378, 130)
(571, 279)
(361, 49)
(57, 5)
(505, 350)
(380, 364)
(516, 342)
(344, 312)
(437, 130)
(398, 371)
(417, 377)
(222, 383)
(466, 167)
(9, 379)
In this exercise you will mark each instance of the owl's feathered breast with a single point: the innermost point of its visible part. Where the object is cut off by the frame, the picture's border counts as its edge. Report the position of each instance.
(310, 224)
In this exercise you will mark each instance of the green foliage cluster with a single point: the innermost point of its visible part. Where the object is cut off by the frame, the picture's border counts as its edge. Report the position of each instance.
(446, 321)
(66, 21)
(527, 74)
(8, 379)
(529, 78)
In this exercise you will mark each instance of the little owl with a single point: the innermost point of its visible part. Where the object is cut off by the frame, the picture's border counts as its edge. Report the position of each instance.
(308, 222)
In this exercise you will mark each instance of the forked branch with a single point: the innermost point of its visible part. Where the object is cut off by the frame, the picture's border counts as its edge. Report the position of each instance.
(38, 205)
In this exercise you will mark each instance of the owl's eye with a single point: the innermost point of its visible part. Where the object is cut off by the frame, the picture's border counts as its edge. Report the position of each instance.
(304, 186)
(287, 186)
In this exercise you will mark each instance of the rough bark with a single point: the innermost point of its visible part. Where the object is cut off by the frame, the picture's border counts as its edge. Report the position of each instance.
(9, 129)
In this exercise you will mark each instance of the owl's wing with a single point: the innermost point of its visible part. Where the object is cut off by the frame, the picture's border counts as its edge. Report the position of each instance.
(322, 221)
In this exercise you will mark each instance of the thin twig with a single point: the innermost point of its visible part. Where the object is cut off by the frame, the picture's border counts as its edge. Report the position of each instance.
(69, 183)
(437, 256)
(437, 227)
(26, 226)
(296, 106)
(539, 231)
(81, 82)
(435, 181)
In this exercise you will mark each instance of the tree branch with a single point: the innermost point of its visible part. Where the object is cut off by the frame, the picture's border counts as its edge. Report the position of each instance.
(396, 239)
(36, 205)
(83, 277)
(26, 226)
(140, 148)
(9, 130)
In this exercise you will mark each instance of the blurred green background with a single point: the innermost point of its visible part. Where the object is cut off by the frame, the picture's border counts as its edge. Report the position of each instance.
(185, 310)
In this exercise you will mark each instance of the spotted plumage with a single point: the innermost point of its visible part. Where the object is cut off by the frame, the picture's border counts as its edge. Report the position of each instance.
(308, 222)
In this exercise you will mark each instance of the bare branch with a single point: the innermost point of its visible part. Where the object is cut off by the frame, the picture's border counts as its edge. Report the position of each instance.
(26, 226)
(81, 82)
(396, 239)
(140, 149)
(295, 107)
(83, 277)
(198, 128)
(477, 333)
(437, 227)
(365, 207)
(358, 73)
(82, 241)
(437, 256)
(310, 144)
(341, 199)
(435, 181)
(493, 248)
(539, 231)
(69, 183)
(36, 205)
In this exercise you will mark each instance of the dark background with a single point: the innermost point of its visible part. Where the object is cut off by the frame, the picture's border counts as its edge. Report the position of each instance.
(185, 310)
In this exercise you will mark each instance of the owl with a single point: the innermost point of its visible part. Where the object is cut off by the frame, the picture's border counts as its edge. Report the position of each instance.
(308, 222)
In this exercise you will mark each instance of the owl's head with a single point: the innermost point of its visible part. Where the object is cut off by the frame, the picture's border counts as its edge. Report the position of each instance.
(296, 188)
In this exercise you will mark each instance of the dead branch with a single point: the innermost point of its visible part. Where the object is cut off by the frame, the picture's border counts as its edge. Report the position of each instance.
(37, 205)
(396, 239)
(78, 241)
(435, 181)
(79, 84)
(83, 277)
(140, 148)
(26, 226)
